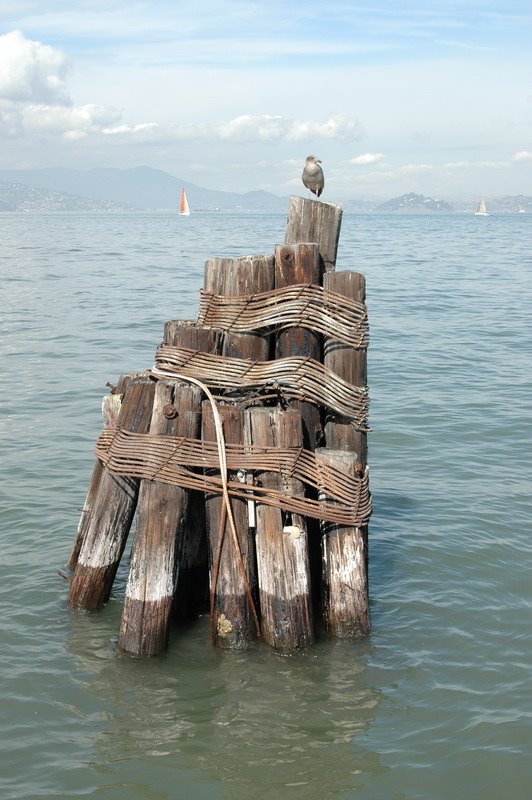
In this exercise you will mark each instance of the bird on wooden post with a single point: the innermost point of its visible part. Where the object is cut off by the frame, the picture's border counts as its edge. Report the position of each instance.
(312, 176)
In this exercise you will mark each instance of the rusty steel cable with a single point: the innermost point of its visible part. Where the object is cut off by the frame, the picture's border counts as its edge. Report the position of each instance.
(302, 305)
(295, 377)
(171, 459)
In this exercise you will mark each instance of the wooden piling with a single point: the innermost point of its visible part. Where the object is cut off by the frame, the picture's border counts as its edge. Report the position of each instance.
(281, 539)
(110, 409)
(315, 221)
(192, 587)
(234, 625)
(237, 276)
(232, 568)
(233, 277)
(112, 510)
(267, 568)
(348, 363)
(164, 541)
(185, 333)
(345, 586)
(300, 264)
(191, 592)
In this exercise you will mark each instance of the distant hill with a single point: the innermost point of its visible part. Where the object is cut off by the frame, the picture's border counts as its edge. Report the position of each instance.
(414, 203)
(144, 188)
(17, 197)
(518, 203)
(141, 188)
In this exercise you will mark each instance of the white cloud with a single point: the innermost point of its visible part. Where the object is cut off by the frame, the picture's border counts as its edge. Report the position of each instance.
(334, 128)
(34, 96)
(367, 158)
(264, 127)
(10, 121)
(523, 155)
(73, 123)
(246, 128)
(118, 129)
(31, 71)
(268, 128)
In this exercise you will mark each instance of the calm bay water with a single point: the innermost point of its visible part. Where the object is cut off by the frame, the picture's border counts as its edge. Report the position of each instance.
(437, 703)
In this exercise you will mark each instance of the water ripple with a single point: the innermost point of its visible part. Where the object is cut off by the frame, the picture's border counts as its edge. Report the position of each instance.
(436, 704)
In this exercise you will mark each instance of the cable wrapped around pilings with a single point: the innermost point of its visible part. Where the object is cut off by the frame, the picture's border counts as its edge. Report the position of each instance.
(302, 305)
(170, 459)
(296, 377)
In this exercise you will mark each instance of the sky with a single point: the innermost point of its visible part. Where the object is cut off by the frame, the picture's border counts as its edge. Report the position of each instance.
(430, 97)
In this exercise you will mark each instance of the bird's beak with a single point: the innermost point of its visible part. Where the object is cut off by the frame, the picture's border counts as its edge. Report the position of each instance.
(318, 161)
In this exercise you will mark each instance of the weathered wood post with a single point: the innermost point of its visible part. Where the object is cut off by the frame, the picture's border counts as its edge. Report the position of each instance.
(344, 549)
(164, 538)
(192, 587)
(233, 277)
(110, 409)
(234, 625)
(185, 333)
(349, 363)
(300, 264)
(315, 221)
(281, 539)
(112, 511)
(319, 223)
(345, 588)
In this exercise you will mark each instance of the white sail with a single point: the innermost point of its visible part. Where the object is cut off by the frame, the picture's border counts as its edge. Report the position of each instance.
(184, 210)
(481, 209)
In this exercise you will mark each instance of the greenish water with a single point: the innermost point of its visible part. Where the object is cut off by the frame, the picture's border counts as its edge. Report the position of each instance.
(437, 703)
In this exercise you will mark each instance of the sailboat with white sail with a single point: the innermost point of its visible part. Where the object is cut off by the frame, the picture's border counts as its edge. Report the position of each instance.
(184, 210)
(481, 209)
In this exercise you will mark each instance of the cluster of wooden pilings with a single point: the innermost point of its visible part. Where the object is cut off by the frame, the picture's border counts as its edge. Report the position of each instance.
(275, 574)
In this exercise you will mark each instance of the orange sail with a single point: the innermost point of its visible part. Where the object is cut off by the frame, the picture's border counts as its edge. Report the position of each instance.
(183, 204)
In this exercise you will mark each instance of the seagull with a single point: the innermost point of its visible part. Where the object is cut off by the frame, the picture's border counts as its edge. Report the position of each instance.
(312, 176)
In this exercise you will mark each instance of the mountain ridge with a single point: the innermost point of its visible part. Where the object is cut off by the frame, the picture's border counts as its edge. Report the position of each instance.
(143, 188)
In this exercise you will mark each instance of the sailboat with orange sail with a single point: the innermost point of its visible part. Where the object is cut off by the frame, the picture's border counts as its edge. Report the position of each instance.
(184, 210)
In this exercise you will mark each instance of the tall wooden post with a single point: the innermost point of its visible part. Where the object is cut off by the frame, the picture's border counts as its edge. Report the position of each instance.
(300, 264)
(233, 621)
(350, 364)
(112, 511)
(110, 409)
(163, 538)
(315, 221)
(192, 587)
(281, 539)
(345, 587)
